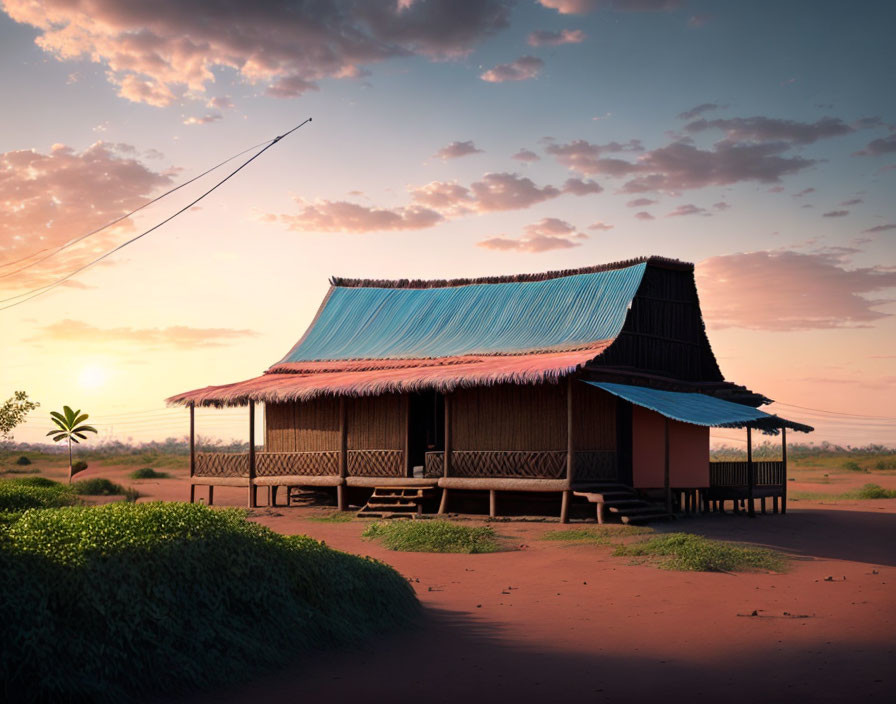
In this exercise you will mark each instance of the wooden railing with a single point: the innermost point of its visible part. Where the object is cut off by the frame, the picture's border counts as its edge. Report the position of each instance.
(376, 463)
(545, 464)
(276, 464)
(434, 464)
(222, 464)
(766, 473)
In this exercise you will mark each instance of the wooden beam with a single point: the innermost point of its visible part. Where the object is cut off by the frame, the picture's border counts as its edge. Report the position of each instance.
(666, 479)
(751, 479)
(784, 470)
(252, 496)
(192, 450)
(570, 446)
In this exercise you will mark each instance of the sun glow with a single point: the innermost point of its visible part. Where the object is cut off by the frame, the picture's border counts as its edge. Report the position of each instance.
(93, 376)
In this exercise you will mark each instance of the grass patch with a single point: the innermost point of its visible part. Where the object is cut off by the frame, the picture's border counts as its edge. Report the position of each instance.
(335, 517)
(599, 535)
(854, 467)
(126, 601)
(433, 536)
(97, 486)
(684, 551)
(873, 491)
(869, 491)
(149, 473)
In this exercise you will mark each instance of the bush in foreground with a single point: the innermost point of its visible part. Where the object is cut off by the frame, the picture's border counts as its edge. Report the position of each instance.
(433, 536)
(107, 603)
(20, 494)
(684, 551)
(149, 473)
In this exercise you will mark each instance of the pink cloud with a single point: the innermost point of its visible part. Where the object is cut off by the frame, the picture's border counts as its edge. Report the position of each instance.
(852, 201)
(55, 197)
(688, 209)
(880, 228)
(721, 205)
(786, 290)
(584, 157)
(699, 110)
(522, 69)
(158, 52)
(455, 150)
(644, 215)
(204, 120)
(836, 214)
(640, 202)
(580, 187)
(768, 129)
(220, 102)
(80, 333)
(547, 37)
(342, 216)
(526, 155)
(581, 7)
(877, 147)
(602, 226)
(542, 236)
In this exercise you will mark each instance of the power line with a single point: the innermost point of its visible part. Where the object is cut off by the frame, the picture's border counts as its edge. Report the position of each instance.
(117, 220)
(34, 293)
(837, 413)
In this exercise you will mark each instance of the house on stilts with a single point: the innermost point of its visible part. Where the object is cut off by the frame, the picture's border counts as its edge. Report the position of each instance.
(590, 385)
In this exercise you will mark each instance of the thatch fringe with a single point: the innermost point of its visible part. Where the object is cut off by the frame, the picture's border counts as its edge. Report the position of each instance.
(662, 262)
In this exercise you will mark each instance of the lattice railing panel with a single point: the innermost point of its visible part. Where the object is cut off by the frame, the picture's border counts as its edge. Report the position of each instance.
(766, 473)
(376, 463)
(434, 466)
(222, 464)
(275, 464)
(546, 464)
(595, 466)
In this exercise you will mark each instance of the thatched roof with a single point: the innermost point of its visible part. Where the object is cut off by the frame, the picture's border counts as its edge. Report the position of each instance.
(374, 337)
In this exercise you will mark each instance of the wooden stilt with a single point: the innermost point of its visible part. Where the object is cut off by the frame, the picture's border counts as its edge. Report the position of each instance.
(270, 497)
(600, 512)
(443, 504)
(211, 494)
(192, 450)
(274, 495)
(340, 497)
(774, 504)
(751, 476)
(564, 507)
(253, 490)
(784, 472)
(491, 503)
(762, 504)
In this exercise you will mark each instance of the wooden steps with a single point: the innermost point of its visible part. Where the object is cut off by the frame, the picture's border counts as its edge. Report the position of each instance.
(624, 502)
(396, 502)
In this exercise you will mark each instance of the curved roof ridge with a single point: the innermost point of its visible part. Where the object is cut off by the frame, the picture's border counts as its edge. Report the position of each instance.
(663, 262)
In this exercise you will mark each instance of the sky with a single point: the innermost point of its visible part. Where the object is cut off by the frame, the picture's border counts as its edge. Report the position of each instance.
(449, 138)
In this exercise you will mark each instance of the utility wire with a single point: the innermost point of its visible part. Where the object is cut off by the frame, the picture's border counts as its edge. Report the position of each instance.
(34, 293)
(117, 220)
(837, 413)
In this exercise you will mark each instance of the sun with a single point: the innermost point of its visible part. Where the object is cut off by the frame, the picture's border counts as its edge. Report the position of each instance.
(93, 376)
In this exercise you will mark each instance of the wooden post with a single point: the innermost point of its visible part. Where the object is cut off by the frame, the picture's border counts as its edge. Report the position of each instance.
(192, 450)
(406, 409)
(600, 512)
(666, 485)
(211, 494)
(564, 507)
(446, 461)
(492, 503)
(343, 454)
(751, 510)
(784, 470)
(252, 497)
(570, 447)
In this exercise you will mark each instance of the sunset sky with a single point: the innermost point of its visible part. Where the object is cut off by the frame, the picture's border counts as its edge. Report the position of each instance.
(449, 138)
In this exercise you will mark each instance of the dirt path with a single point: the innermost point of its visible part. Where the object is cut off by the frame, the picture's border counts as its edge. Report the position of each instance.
(551, 620)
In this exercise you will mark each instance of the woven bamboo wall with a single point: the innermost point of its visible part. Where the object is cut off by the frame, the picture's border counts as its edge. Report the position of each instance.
(509, 417)
(310, 426)
(664, 331)
(594, 418)
(376, 422)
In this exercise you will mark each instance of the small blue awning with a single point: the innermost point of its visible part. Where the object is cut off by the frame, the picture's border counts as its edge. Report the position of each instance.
(700, 409)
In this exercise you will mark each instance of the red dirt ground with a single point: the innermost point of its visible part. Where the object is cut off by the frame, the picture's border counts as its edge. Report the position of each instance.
(554, 620)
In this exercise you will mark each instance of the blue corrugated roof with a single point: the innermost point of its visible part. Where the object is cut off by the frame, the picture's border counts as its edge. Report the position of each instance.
(511, 317)
(695, 408)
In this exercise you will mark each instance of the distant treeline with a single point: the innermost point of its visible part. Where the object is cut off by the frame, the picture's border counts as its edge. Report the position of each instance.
(798, 450)
(116, 448)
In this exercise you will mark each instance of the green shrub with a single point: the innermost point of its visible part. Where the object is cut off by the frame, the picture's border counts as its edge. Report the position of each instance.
(114, 602)
(873, 491)
(23, 493)
(79, 466)
(23, 460)
(433, 536)
(854, 467)
(599, 535)
(148, 473)
(684, 551)
(885, 464)
(97, 486)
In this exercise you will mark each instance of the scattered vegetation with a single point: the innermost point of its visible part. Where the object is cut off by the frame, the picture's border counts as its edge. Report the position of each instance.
(79, 466)
(685, 551)
(334, 517)
(149, 473)
(885, 464)
(97, 486)
(433, 536)
(598, 535)
(853, 466)
(869, 491)
(23, 461)
(873, 491)
(97, 603)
